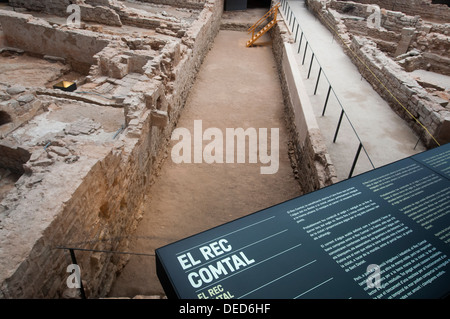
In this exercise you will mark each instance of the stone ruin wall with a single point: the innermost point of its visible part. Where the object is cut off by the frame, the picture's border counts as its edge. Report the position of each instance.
(96, 200)
(77, 47)
(431, 38)
(424, 8)
(401, 44)
(57, 7)
(181, 3)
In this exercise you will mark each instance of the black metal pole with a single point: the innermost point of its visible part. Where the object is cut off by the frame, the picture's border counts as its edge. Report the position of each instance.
(300, 42)
(304, 54)
(355, 160)
(338, 126)
(317, 82)
(326, 100)
(310, 65)
(296, 33)
(74, 261)
(293, 24)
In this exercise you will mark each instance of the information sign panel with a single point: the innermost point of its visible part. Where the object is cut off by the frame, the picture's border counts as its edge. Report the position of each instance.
(381, 234)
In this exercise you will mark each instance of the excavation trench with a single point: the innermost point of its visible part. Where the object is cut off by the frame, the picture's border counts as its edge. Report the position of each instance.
(237, 87)
(114, 191)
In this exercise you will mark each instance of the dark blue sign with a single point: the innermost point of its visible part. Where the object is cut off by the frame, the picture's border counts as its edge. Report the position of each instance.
(382, 234)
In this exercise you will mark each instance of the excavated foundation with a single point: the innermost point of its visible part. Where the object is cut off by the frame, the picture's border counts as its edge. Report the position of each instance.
(77, 165)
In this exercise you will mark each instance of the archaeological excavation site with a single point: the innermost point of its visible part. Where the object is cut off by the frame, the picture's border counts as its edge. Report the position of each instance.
(97, 96)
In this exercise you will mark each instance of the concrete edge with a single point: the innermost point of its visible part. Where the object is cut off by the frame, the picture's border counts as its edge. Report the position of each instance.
(299, 98)
(311, 154)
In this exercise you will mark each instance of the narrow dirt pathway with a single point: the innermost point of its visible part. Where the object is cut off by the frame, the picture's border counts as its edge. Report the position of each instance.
(237, 87)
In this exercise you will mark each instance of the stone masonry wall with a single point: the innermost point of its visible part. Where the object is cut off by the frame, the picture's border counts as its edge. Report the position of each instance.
(100, 202)
(77, 46)
(390, 20)
(180, 3)
(308, 149)
(398, 33)
(424, 8)
(114, 12)
(57, 7)
(401, 91)
(100, 14)
(102, 11)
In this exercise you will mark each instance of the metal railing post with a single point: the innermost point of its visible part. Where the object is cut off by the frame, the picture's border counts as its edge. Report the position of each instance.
(304, 54)
(310, 64)
(300, 42)
(317, 82)
(338, 126)
(74, 261)
(355, 160)
(326, 100)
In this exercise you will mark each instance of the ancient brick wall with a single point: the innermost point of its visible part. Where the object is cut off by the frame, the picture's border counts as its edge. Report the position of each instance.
(77, 46)
(424, 8)
(397, 34)
(97, 202)
(57, 7)
(180, 3)
(406, 97)
(390, 20)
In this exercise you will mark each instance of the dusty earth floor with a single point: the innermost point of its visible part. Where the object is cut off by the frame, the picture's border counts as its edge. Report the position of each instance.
(237, 87)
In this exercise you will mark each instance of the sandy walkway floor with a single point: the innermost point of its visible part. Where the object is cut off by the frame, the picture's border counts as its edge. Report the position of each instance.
(237, 87)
